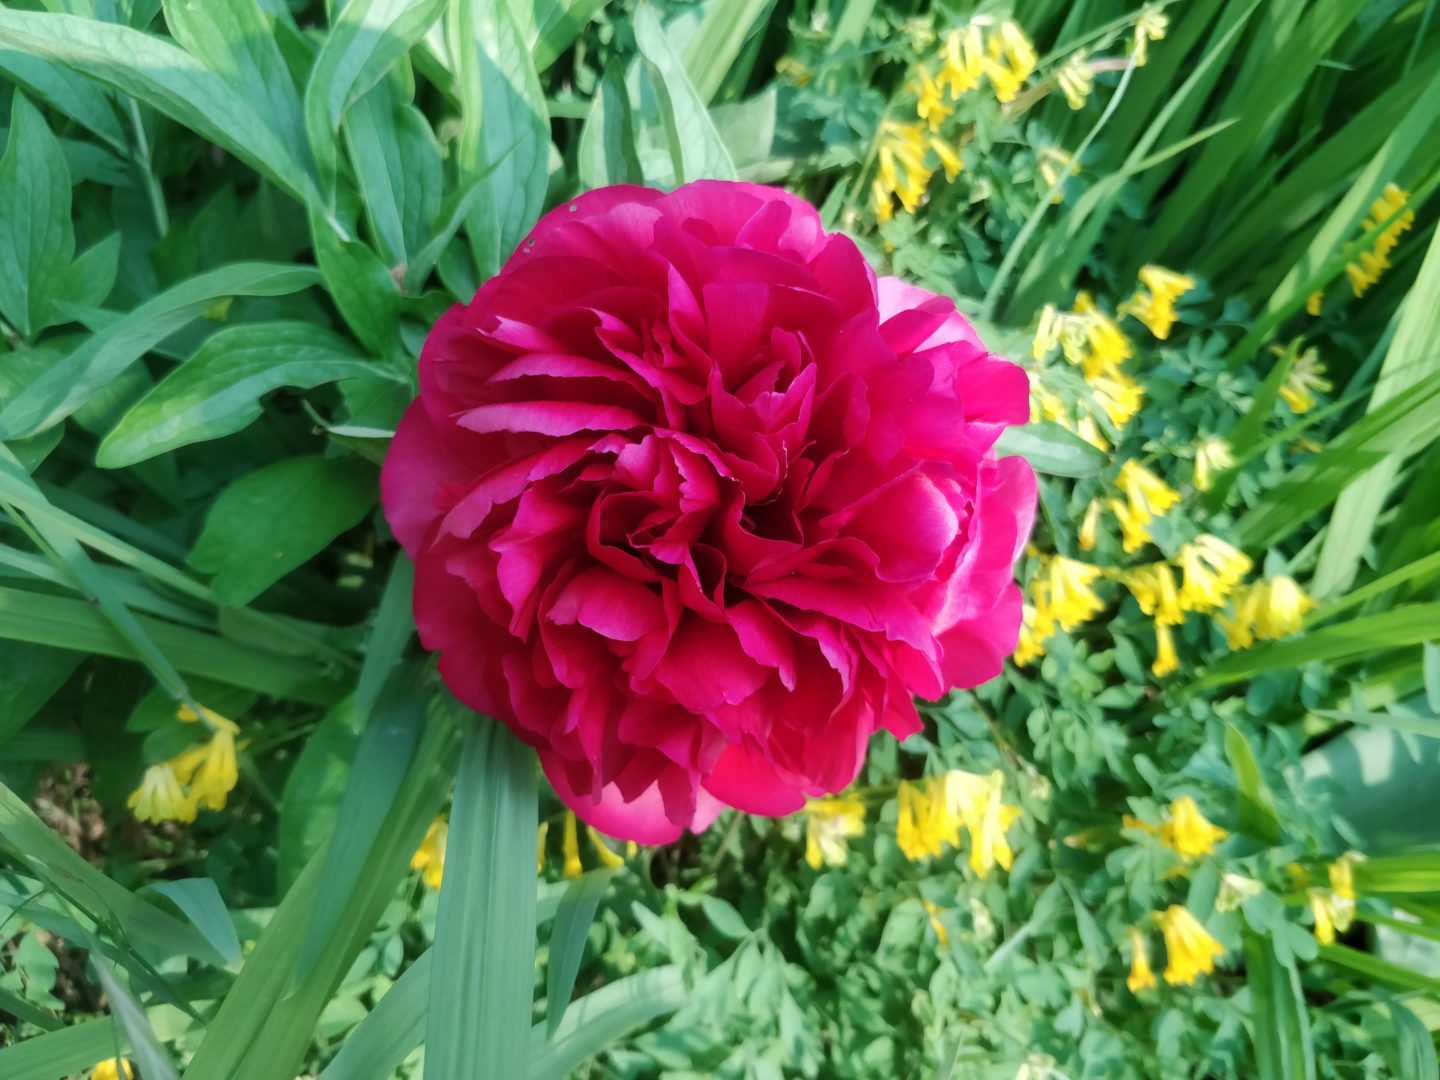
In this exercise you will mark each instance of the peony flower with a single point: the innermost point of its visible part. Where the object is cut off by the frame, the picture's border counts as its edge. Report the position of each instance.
(697, 504)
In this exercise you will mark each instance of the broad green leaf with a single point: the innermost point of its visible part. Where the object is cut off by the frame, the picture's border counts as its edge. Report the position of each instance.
(88, 280)
(62, 1053)
(67, 384)
(363, 289)
(505, 132)
(236, 40)
(69, 91)
(607, 153)
(1051, 449)
(1415, 1046)
(310, 804)
(165, 77)
(696, 149)
(1280, 1027)
(1378, 970)
(200, 900)
(217, 391)
(149, 1055)
(275, 519)
(712, 48)
(29, 677)
(558, 25)
(483, 971)
(37, 240)
(598, 1019)
(567, 941)
(1257, 815)
(1363, 768)
(366, 39)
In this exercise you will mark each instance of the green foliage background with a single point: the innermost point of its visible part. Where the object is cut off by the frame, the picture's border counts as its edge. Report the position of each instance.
(225, 226)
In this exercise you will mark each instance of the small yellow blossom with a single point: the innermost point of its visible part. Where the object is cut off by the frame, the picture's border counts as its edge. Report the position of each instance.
(160, 797)
(429, 857)
(540, 834)
(1376, 261)
(1187, 832)
(1334, 908)
(1151, 26)
(112, 1069)
(1314, 302)
(1142, 976)
(1076, 81)
(1005, 81)
(979, 801)
(1118, 395)
(1146, 498)
(609, 857)
(1018, 49)
(1090, 526)
(1211, 569)
(794, 69)
(925, 823)
(1189, 949)
(933, 910)
(948, 158)
(1067, 593)
(1166, 659)
(930, 99)
(1268, 609)
(1239, 621)
(1108, 347)
(1134, 524)
(570, 847)
(827, 824)
(1033, 635)
(903, 171)
(880, 199)
(1156, 307)
(963, 54)
(1235, 889)
(1051, 162)
(1212, 455)
(1153, 587)
(1304, 378)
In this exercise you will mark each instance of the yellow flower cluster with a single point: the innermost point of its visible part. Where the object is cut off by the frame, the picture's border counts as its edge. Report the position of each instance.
(429, 857)
(1151, 26)
(1212, 455)
(905, 170)
(1266, 610)
(1185, 830)
(1155, 304)
(828, 822)
(1089, 339)
(1305, 376)
(1076, 80)
(1190, 951)
(1334, 908)
(1366, 271)
(202, 776)
(572, 867)
(933, 811)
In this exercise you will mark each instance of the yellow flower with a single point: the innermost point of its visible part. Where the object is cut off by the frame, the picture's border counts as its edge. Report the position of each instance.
(1156, 308)
(1306, 376)
(1147, 497)
(1212, 455)
(1211, 568)
(1017, 49)
(1189, 948)
(1239, 621)
(1118, 395)
(1235, 889)
(948, 158)
(1076, 80)
(217, 772)
(933, 910)
(1033, 635)
(1006, 82)
(930, 99)
(1050, 162)
(609, 858)
(1068, 595)
(160, 798)
(925, 823)
(540, 834)
(1154, 590)
(1108, 345)
(429, 857)
(1166, 659)
(1047, 333)
(1314, 302)
(963, 53)
(827, 823)
(978, 802)
(112, 1069)
(794, 69)
(1151, 26)
(881, 201)
(1333, 908)
(903, 171)
(1187, 832)
(1283, 608)
(1134, 525)
(570, 846)
(1342, 876)
(1090, 526)
(1142, 976)
(1376, 261)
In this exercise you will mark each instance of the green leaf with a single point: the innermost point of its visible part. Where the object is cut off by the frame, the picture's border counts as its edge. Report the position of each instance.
(165, 77)
(560, 25)
(1257, 817)
(505, 131)
(68, 91)
(200, 900)
(1415, 1046)
(149, 1055)
(392, 1030)
(367, 38)
(67, 384)
(481, 978)
(1051, 449)
(607, 153)
(62, 1053)
(310, 804)
(1378, 970)
(37, 240)
(29, 677)
(250, 542)
(88, 280)
(567, 941)
(712, 48)
(363, 288)
(1280, 1027)
(217, 391)
(696, 150)
(598, 1019)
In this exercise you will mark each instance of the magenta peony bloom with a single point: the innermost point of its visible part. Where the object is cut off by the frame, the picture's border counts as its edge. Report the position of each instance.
(696, 504)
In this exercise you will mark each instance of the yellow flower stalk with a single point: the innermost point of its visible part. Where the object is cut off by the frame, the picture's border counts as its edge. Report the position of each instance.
(429, 857)
(1005, 81)
(930, 99)
(1068, 593)
(609, 857)
(540, 834)
(1190, 951)
(1211, 569)
(1239, 621)
(1090, 526)
(1076, 80)
(903, 172)
(1142, 976)
(941, 934)
(1151, 26)
(963, 53)
(828, 822)
(570, 847)
(925, 823)
(1304, 378)
(112, 1069)
(979, 802)
(1187, 832)
(949, 160)
(1153, 587)
(1146, 498)
(1371, 264)
(1156, 307)
(880, 200)
(160, 797)
(1166, 659)
(1212, 455)
(1134, 524)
